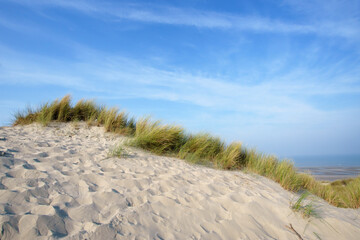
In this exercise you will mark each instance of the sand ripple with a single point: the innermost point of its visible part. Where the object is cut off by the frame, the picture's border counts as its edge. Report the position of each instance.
(58, 182)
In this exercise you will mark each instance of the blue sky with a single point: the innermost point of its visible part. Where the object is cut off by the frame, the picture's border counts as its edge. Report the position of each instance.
(281, 76)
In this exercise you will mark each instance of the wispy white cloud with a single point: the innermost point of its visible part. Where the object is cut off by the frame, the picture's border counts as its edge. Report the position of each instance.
(19, 26)
(84, 6)
(347, 28)
(129, 78)
(335, 17)
(333, 9)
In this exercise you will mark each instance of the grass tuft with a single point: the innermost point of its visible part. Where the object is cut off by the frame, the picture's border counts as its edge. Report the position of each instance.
(201, 147)
(118, 151)
(85, 111)
(306, 209)
(25, 117)
(157, 138)
(232, 157)
(269, 166)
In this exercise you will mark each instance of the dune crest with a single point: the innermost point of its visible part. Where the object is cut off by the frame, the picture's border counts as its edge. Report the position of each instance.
(60, 182)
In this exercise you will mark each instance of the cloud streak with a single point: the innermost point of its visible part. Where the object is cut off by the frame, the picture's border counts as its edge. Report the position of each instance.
(204, 19)
(128, 78)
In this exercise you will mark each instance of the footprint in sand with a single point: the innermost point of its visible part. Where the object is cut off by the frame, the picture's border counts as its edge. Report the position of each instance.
(28, 166)
(42, 155)
(55, 224)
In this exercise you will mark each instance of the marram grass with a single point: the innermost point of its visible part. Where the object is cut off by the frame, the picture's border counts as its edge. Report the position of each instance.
(84, 110)
(306, 209)
(157, 138)
(200, 148)
(232, 157)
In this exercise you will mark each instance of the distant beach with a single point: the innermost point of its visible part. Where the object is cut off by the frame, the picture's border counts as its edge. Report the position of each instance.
(329, 168)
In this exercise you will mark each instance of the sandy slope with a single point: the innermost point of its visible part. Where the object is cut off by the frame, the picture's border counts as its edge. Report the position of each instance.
(58, 182)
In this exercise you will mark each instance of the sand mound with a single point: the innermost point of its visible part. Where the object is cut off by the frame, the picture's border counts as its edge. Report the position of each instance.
(58, 182)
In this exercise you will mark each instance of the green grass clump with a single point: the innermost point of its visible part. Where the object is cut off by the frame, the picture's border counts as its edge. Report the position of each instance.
(116, 122)
(25, 117)
(62, 110)
(269, 166)
(108, 118)
(85, 111)
(199, 148)
(232, 157)
(306, 209)
(118, 151)
(348, 191)
(56, 111)
(157, 138)
(89, 111)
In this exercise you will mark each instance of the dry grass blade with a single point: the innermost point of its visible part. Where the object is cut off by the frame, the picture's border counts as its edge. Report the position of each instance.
(294, 231)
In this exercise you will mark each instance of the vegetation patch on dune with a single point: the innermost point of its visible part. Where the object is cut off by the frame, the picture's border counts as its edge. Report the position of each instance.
(200, 148)
(306, 209)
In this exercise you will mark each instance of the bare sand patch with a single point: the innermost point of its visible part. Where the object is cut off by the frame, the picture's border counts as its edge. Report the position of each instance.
(59, 182)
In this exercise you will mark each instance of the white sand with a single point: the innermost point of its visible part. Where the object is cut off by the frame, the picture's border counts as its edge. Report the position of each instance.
(58, 182)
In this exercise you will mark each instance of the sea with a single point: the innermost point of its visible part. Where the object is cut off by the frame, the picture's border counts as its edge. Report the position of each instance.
(328, 167)
(326, 161)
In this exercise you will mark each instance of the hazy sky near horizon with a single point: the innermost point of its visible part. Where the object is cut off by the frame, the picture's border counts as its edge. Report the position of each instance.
(279, 75)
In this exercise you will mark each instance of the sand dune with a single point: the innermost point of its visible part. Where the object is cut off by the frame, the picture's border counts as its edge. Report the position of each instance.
(58, 182)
